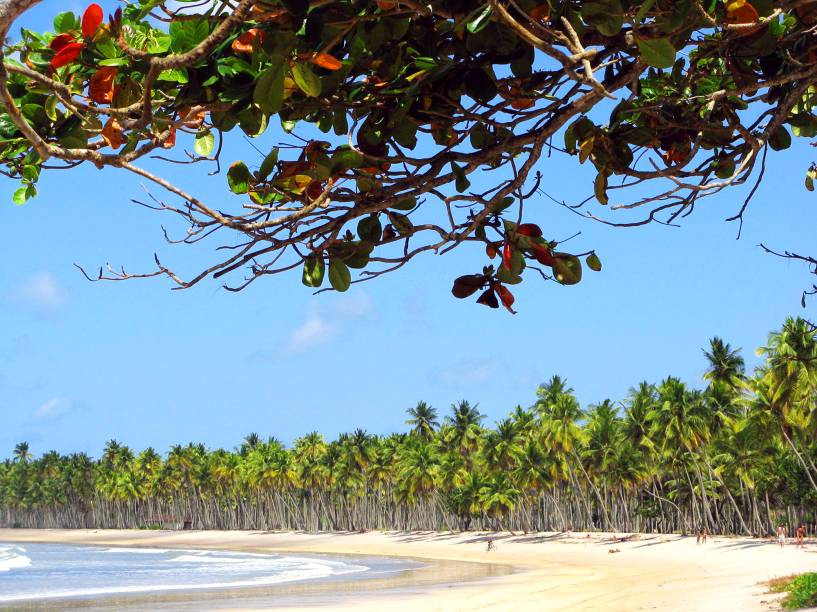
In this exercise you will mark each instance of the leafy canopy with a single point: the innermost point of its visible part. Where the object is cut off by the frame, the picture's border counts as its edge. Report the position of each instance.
(413, 98)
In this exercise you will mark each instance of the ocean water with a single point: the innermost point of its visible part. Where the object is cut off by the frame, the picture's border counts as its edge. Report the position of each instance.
(31, 572)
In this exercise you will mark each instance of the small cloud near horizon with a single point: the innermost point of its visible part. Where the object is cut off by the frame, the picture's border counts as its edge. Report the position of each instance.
(471, 372)
(43, 291)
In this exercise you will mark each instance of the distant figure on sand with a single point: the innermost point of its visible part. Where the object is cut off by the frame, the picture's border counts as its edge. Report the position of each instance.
(801, 534)
(781, 535)
(700, 533)
(703, 538)
(490, 545)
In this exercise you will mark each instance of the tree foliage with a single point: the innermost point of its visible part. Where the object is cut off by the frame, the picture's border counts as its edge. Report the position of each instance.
(736, 458)
(413, 99)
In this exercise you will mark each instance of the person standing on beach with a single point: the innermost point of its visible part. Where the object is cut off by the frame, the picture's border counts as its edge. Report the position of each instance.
(781, 535)
(705, 534)
(801, 534)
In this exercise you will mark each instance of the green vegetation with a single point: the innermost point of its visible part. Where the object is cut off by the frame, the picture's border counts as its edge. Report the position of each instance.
(737, 456)
(398, 105)
(802, 591)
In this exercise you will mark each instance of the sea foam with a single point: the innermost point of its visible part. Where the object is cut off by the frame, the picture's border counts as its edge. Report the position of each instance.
(11, 557)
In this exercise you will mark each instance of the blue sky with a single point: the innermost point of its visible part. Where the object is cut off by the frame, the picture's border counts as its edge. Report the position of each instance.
(81, 363)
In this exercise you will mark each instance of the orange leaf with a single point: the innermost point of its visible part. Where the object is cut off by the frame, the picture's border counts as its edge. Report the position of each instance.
(192, 120)
(244, 43)
(112, 133)
(91, 20)
(743, 14)
(100, 87)
(324, 60)
(540, 13)
(67, 54)
(170, 141)
(386, 5)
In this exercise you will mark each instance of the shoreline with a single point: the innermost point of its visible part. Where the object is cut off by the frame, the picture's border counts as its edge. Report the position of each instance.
(542, 571)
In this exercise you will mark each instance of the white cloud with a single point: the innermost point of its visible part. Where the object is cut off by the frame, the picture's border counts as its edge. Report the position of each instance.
(356, 305)
(328, 318)
(467, 373)
(52, 408)
(43, 291)
(314, 331)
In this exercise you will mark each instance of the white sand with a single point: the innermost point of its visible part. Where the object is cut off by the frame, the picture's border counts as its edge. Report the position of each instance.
(554, 571)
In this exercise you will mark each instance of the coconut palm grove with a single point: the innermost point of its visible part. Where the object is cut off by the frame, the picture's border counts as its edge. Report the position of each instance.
(737, 457)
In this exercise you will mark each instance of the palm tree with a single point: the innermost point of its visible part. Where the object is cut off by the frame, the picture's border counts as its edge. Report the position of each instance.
(464, 431)
(726, 364)
(498, 497)
(423, 420)
(22, 453)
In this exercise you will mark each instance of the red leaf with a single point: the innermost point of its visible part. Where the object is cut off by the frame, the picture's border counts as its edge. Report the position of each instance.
(506, 296)
(66, 55)
(543, 255)
(529, 229)
(91, 20)
(506, 256)
(60, 41)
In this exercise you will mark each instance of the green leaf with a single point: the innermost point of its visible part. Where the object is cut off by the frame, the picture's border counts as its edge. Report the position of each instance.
(517, 262)
(781, 139)
(506, 276)
(31, 173)
(567, 268)
(238, 177)
(63, 22)
(503, 204)
(269, 89)
(205, 143)
(607, 16)
(600, 187)
(482, 19)
(114, 61)
(187, 34)
(724, 167)
(642, 12)
(657, 52)
(173, 75)
(339, 276)
(593, 262)
(267, 165)
(370, 229)
(20, 196)
(306, 79)
(405, 204)
(480, 86)
(401, 223)
(461, 183)
(345, 159)
(314, 269)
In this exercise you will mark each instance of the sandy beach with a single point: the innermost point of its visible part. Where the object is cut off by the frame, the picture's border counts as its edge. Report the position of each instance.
(544, 571)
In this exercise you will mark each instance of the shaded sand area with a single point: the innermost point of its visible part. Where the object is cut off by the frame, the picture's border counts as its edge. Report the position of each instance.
(547, 571)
